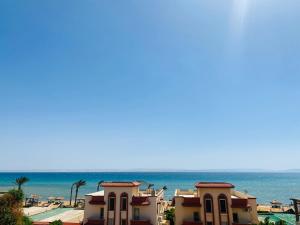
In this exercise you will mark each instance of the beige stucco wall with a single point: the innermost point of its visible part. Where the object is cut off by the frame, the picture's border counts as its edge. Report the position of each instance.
(244, 215)
(253, 213)
(184, 213)
(215, 192)
(91, 211)
(150, 212)
(118, 191)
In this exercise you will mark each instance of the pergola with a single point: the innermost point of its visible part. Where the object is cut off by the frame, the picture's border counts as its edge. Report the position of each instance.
(296, 203)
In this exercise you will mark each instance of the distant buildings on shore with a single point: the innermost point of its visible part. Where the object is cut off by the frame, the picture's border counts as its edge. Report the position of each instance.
(211, 203)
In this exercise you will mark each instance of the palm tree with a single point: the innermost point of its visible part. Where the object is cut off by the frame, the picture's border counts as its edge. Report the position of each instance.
(99, 183)
(20, 181)
(150, 186)
(78, 185)
(71, 195)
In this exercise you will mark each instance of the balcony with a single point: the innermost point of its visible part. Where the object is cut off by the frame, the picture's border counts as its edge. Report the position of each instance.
(241, 223)
(191, 202)
(239, 203)
(97, 200)
(140, 222)
(140, 201)
(95, 222)
(192, 223)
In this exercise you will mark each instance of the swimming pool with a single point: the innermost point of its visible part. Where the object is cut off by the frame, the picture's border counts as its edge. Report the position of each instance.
(50, 213)
(274, 217)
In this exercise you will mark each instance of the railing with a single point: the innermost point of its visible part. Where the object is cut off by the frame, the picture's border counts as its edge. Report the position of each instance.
(94, 221)
(239, 203)
(140, 222)
(191, 202)
(185, 222)
(140, 201)
(97, 200)
(179, 192)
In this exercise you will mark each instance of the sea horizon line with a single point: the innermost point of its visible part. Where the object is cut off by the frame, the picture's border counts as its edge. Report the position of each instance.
(152, 171)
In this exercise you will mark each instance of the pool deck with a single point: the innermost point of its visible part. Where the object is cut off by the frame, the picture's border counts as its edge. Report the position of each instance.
(37, 210)
(74, 216)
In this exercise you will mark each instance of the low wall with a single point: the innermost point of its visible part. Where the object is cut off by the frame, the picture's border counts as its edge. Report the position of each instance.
(47, 223)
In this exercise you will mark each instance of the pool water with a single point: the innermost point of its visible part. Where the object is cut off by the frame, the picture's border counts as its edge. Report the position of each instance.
(289, 218)
(50, 213)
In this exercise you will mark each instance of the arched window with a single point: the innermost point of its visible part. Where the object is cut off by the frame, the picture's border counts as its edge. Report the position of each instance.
(223, 206)
(208, 203)
(111, 201)
(124, 201)
(208, 208)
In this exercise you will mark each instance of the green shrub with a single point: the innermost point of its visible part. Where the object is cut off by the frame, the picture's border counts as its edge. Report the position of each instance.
(27, 220)
(11, 212)
(170, 215)
(56, 222)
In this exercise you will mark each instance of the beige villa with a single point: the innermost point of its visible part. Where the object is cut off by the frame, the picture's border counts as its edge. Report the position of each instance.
(123, 203)
(214, 203)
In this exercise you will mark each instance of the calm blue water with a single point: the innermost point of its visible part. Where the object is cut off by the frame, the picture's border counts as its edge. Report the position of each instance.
(265, 186)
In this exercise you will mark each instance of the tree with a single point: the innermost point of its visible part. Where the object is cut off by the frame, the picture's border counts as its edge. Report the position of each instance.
(71, 195)
(170, 215)
(11, 212)
(78, 184)
(150, 186)
(99, 183)
(56, 222)
(20, 181)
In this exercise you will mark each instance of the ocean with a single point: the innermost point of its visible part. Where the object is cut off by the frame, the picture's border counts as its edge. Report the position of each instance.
(265, 186)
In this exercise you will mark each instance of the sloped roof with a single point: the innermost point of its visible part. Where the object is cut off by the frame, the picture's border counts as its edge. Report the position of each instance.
(213, 185)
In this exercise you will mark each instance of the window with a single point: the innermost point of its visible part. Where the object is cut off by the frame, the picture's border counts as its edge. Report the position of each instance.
(136, 213)
(196, 216)
(123, 222)
(223, 205)
(209, 223)
(235, 218)
(208, 205)
(111, 201)
(124, 203)
(101, 213)
(111, 221)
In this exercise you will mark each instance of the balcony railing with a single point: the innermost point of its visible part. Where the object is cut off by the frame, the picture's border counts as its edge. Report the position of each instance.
(140, 201)
(93, 221)
(191, 202)
(239, 203)
(140, 222)
(97, 200)
(185, 222)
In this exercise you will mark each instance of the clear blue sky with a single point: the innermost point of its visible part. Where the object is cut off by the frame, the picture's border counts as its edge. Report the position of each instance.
(158, 84)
